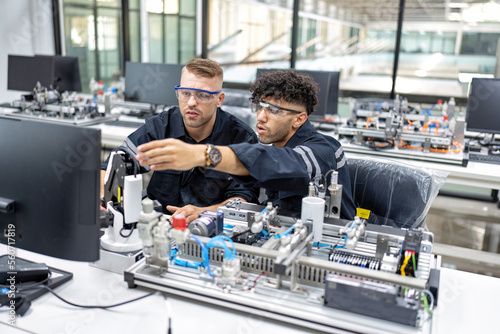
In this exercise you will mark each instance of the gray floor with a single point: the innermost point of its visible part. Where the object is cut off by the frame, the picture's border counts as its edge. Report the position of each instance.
(466, 234)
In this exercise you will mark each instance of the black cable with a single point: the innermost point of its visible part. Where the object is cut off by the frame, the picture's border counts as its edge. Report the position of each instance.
(131, 231)
(238, 234)
(95, 306)
(254, 239)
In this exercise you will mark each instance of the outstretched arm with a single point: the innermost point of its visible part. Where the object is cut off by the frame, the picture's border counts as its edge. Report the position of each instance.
(177, 155)
(192, 212)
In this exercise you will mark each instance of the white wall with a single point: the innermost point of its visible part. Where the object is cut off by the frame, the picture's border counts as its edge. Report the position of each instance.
(25, 29)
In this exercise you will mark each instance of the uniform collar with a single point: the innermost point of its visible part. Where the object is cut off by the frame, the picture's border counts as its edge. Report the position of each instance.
(177, 129)
(305, 131)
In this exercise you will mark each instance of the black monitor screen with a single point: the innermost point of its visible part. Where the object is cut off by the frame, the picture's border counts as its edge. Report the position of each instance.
(24, 72)
(328, 83)
(50, 177)
(483, 106)
(152, 83)
(67, 74)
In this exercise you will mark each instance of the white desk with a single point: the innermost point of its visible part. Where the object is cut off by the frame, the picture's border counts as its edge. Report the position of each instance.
(150, 315)
(468, 303)
(113, 135)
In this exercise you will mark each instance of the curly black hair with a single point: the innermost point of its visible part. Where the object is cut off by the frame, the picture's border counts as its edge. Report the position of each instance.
(286, 85)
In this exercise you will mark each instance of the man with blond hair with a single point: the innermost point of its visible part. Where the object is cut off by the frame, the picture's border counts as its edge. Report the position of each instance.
(197, 120)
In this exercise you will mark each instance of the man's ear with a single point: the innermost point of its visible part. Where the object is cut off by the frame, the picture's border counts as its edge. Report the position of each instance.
(299, 120)
(220, 99)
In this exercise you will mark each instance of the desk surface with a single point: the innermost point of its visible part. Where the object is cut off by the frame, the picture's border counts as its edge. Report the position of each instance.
(468, 303)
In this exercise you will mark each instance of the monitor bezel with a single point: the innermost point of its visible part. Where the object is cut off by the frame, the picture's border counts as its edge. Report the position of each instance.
(52, 174)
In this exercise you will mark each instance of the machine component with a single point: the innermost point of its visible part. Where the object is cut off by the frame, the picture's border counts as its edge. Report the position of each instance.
(374, 299)
(390, 263)
(292, 276)
(147, 221)
(353, 232)
(121, 244)
(265, 218)
(390, 127)
(179, 231)
(313, 212)
(123, 196)
(410, 251)
(48, 104)
(412, 241)
(334, 201)
(208, 224)
(235, 210)
(231, 270)
(354, 259)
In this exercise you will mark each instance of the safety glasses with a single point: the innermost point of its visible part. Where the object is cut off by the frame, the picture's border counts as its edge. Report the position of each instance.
(202, 96)
(272, 109)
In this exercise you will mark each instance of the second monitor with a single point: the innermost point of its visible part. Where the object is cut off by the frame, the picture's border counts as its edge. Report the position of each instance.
(328, 82)
(152, 83)
(59, 72)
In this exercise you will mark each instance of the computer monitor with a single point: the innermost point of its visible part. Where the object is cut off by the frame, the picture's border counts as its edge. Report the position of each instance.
(58, 72)
(67, 74)
(24, 72)
(152, 83)
(49, 188)
(483, 106)
(328, 95)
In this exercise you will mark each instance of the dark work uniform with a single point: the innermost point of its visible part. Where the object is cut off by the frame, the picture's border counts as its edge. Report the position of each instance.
(194, 187)
(286, 172)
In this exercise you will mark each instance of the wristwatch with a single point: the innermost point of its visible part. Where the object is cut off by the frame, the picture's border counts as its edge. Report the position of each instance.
(212, 156)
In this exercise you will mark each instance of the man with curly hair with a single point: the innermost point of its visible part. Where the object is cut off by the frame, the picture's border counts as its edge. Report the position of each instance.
(283, 100)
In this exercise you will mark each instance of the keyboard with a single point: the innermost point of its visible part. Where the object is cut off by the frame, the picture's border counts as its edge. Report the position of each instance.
(487, 158)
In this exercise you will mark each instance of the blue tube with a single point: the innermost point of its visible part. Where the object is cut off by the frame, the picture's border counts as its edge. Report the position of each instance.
(290, 229)
(204, 254)
(428, 111)
(345, 241)
(183, 263)
(218, 242)
(318, 244)
(225, 237)
(379, 105)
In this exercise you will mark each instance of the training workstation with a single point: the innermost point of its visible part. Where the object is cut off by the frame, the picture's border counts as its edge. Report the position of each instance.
(84, 249)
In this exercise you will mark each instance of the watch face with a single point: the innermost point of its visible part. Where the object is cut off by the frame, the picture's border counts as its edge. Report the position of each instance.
(215, 156)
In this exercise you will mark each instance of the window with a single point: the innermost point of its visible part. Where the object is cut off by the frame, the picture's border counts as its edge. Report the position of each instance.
(172, 30)
(93, 34)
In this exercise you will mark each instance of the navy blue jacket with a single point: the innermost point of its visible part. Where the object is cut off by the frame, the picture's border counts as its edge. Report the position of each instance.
(286, 172)
(194, 187)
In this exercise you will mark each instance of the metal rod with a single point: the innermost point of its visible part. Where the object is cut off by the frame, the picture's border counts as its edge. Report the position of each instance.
(295, 29)
(398, 46)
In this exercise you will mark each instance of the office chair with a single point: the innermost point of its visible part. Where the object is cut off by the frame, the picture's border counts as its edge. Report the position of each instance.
(397, 195)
